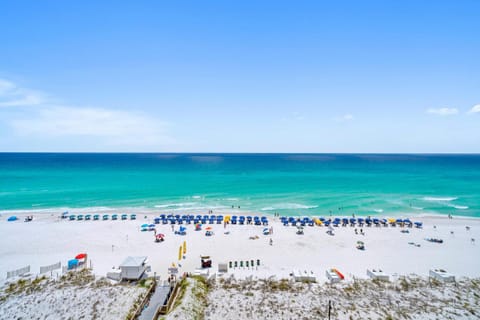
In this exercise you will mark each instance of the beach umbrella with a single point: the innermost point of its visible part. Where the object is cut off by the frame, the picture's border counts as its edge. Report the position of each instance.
(391, 220)
(145, 225)
(160, 236)
(265, 229)
(180, 250)
(12, 218)
(151, 226)
(208, 228)
(80, 256)
(184, 247)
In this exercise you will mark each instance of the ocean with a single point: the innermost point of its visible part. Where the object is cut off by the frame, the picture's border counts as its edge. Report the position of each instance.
(293, 184)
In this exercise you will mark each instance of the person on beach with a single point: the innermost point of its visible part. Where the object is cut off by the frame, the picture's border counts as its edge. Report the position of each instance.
(271, 241)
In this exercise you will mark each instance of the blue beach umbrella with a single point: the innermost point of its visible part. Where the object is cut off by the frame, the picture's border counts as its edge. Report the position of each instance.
(12, 218)
(145, 225)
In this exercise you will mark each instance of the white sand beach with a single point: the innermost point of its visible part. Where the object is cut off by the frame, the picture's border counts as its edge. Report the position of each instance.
(49, 239)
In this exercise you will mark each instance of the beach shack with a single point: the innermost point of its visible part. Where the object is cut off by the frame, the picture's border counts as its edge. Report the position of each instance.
(133, 268)
(441, 275)
(377, 275)
(332, 276)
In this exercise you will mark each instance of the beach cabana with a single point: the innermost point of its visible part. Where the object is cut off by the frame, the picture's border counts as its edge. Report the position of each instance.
(408, 223)
(105, 217)
(181, 231)
(88, 216)
(159, 237)
(133, 217)
(96, 217)
(12, 218)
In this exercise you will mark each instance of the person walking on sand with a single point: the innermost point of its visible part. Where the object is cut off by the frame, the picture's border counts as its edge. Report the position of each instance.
(173, 228)
(271, 241)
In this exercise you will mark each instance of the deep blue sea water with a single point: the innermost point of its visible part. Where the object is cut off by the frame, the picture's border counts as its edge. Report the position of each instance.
(303, 184)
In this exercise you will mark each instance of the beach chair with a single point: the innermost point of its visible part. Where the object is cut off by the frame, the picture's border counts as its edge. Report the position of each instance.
(352, 222)
(133, 217)
(241, 264)
(80, 217)
(360, 222)
(88, 217)
(105, 217)
(235, 264)
(115, 217)
(368, 222)
(264, 221)
(241, 220)
(96, 217)
(230, 264)
(252, 263)
(258, 262)
(72, 217)
(249, 220)
(124, 217)
(247, 263)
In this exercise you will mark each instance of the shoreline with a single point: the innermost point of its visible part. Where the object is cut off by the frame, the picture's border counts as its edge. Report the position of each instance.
(221, 211)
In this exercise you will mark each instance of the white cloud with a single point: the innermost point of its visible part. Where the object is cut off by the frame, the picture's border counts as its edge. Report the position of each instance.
(442, 111)
(344, 118)
(475, 109)
(73, 127)
(112, 128)
(13, 96)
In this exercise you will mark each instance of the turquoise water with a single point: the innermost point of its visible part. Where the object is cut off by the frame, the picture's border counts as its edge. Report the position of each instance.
(304, 184)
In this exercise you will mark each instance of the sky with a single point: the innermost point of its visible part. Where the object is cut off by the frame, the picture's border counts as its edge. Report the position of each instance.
(240, 76)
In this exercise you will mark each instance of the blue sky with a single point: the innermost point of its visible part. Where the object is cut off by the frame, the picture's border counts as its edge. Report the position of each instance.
(240, 76)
